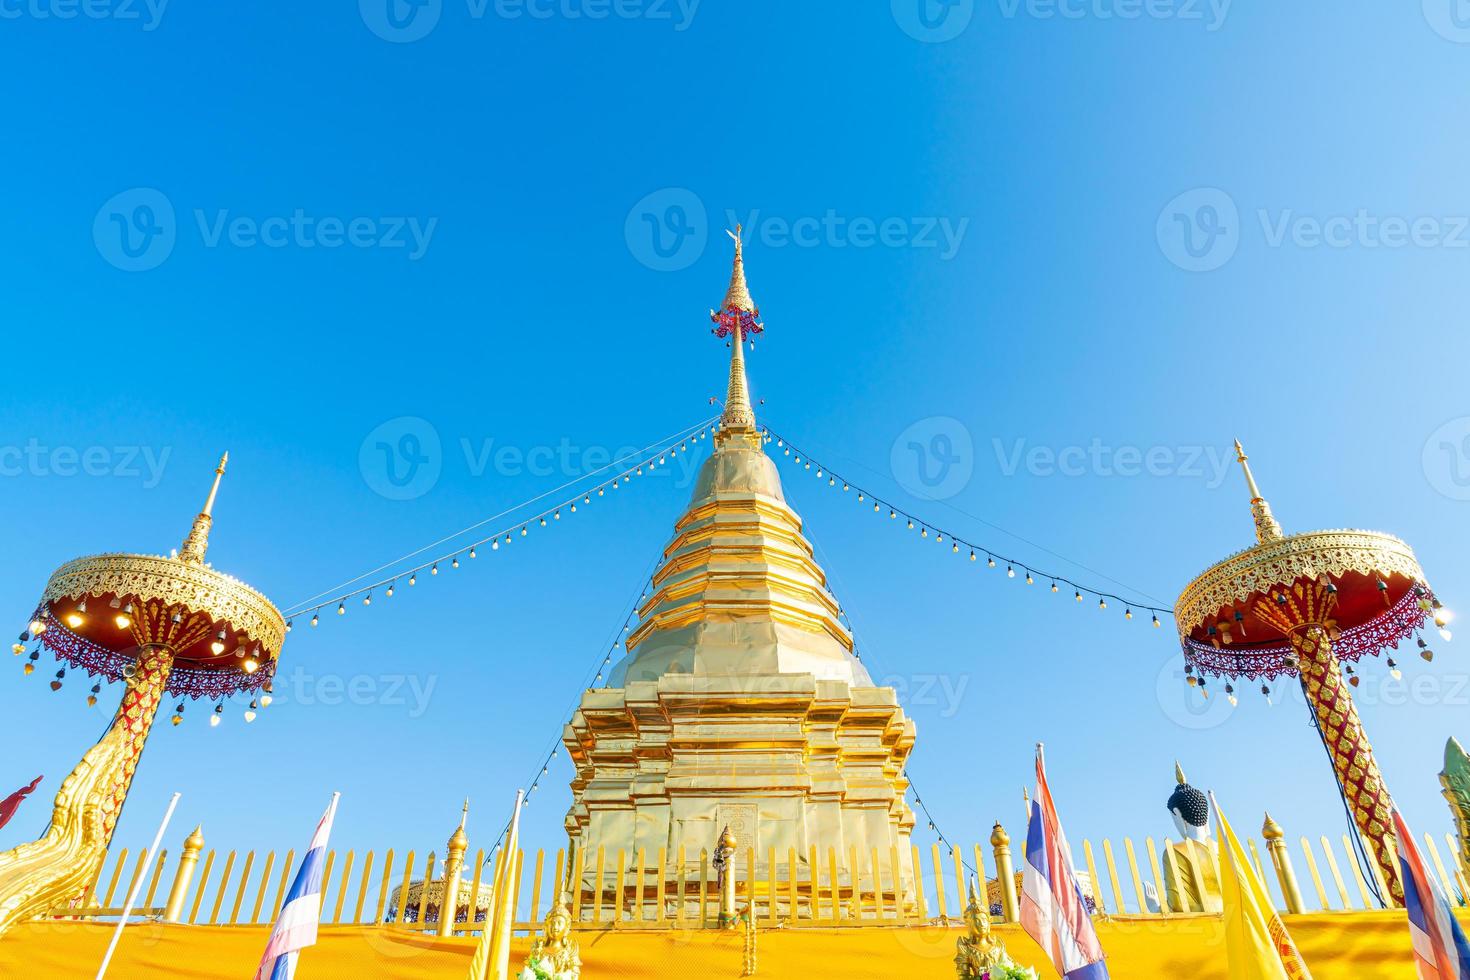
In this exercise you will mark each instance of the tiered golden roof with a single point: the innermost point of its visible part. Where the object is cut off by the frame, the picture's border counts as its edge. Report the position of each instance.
(739, 591)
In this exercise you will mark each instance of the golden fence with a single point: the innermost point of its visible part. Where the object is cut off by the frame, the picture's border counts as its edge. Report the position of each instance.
(663, 891)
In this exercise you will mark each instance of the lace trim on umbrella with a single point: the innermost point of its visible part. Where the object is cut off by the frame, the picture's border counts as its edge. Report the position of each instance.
(1370, 639)
(183, 681)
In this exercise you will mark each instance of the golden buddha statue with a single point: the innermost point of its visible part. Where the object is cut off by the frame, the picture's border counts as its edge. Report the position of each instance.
(554, 954)
(1189, 865)
(979, 953)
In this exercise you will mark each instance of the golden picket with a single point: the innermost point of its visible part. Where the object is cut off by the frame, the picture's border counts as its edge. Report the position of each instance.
(265, 880)
(203, 881)
(282, 884)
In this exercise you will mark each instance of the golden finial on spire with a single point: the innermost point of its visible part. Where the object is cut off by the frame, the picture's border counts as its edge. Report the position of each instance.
(1266, 527)
(737, 297)
(457, 840)
(196, 542)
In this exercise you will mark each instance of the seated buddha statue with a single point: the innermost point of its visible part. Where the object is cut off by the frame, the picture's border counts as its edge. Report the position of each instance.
(1189, 865)
(554, 954)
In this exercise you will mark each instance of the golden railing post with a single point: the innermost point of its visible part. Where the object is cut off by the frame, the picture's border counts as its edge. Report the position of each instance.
(1285, 873)
(453, 863)
(1005, 875)
(177, 895)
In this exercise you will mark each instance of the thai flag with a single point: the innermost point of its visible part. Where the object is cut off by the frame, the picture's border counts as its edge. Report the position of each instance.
(1052, 910)
(1440, 950)
(295, 929)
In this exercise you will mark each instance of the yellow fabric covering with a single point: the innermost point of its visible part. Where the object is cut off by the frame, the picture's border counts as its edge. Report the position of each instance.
(1358, 946)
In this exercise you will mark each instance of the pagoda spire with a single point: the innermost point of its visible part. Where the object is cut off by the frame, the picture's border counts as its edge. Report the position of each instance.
(196, 542)
(1267, 529)
(737, 318)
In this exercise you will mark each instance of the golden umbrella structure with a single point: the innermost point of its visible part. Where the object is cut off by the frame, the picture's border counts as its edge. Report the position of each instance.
(1310, 605)
(164, 626)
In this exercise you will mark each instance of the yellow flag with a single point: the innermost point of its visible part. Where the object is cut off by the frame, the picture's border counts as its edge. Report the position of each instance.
(1256, 941)
(492, 953)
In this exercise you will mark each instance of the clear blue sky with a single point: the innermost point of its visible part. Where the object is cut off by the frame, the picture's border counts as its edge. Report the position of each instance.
(1293, 297)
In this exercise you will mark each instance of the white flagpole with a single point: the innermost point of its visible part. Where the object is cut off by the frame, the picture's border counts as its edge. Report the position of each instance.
(137, 887)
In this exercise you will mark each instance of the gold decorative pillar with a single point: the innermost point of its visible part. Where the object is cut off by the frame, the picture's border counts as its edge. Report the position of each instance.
(188, 860)
(1005, 874)
(1285, 873)
(725, 861)
(37, 877)
(1305, 613)
(453, 864)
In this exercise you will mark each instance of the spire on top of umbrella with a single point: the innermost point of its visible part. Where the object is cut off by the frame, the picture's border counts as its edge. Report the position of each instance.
(1266, 527)
(197, 541)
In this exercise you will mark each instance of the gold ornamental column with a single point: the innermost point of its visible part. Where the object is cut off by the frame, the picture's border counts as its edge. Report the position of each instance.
(1291, 889)
(453, 863)
(173, 910)
(1300, 604)
(1005, 873)
(164, 626)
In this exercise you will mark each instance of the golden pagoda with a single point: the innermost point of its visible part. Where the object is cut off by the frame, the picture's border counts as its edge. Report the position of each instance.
(740, 704)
